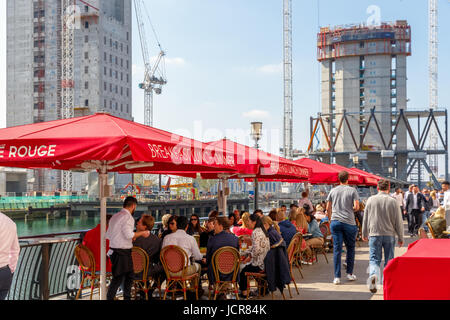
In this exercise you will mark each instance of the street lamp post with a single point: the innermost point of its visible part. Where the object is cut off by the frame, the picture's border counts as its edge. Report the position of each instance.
(256, 134)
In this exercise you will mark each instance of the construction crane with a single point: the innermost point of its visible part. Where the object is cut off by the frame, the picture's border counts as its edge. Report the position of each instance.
(288, 93)
(154, 77)
(69, 17)
(433, 77)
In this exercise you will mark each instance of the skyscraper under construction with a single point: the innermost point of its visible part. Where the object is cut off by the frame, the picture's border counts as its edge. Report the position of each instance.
(102, 66)
(363, 68)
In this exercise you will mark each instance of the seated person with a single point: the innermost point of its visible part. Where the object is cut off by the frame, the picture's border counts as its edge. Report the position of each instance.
(221, 239)
(260, 247)
(171, 226)
(316, 239)
(164, 224)
(208, 233)
(92, 241)
(320, 213)
(151, 245)
(438, 223)
(244, 229)
(194, 226)
(273, 230)
(287, 229)
(186, 242)
(232, 220)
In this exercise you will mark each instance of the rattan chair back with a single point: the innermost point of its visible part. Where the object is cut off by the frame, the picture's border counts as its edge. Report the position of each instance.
(294, 246)
(140, 261)
(225, 261)
(85, 258)
(433, 235)
(174, 259)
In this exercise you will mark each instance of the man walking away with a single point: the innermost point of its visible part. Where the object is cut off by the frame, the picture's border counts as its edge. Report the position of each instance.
(120, 234)
(9, 253)
(382, 222)
(414, 208)
(343, 201)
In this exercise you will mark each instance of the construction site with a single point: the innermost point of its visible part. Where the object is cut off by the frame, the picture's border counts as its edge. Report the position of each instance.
(70, 58)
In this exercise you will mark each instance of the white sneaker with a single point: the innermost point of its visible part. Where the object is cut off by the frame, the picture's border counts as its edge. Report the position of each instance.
(336, 281)
(373, 283)
(351, 277)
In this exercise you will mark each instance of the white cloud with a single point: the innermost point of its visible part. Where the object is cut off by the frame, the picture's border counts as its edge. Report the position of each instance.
(175, 61)
(271, 68)
(256, 114)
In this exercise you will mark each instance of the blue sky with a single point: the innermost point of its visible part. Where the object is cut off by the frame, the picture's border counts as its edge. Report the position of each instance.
(224, 62)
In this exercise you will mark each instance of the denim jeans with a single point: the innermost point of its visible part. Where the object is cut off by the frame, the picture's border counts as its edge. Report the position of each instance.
(425, 216)
(376, 245)
(343, 233)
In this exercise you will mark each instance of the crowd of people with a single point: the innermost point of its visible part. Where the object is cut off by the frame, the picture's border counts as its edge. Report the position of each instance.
(217, 231)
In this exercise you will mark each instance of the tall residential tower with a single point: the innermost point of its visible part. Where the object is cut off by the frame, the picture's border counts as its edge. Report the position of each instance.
(102, 66)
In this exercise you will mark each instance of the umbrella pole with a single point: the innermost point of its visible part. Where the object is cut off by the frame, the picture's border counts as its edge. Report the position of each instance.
(224, 199)
(102, 180)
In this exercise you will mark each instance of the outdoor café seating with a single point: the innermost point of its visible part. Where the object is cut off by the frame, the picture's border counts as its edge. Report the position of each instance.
(226, 261)
(175, 262)
(86, 261)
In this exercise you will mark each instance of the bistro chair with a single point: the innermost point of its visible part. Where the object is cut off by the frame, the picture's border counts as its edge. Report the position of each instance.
(433, 235)
(328, 238)
(323, 248)
(226, 261)
(292, 250)
(140, 270)
(175, 262)
(86, 261)
(260, 279)
(299, 252)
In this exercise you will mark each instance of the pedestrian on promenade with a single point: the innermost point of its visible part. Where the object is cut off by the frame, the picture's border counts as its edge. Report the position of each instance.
(9, 253)
(343, 201)
(405, 213)
(428, 204)
(382, 223)
(415, 206)
(446, 202)
(120, 234)
(399, 197)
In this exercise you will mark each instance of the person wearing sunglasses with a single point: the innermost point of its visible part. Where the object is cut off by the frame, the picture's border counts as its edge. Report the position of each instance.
(194, 227)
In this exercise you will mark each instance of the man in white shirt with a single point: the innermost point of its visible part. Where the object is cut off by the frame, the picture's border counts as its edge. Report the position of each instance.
(188, 243)
(9, 253)
(446, 202)
(121, 235)
(398, 196)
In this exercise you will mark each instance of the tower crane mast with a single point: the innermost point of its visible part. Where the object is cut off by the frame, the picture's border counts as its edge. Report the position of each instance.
(152, 84)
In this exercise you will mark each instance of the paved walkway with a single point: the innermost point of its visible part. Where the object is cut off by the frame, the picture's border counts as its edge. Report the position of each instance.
(318, 278)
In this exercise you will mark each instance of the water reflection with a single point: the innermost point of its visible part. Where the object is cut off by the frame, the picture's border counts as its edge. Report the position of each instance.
(33, 227)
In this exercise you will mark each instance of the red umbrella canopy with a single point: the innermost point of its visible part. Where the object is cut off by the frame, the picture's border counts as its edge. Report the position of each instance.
(86, 143)
(358, 178)
(370, 179)
(323, 173)
(254, 163)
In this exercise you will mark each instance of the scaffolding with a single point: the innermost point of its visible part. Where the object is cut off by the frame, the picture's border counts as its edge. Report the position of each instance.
(345, 41)
(390, 155)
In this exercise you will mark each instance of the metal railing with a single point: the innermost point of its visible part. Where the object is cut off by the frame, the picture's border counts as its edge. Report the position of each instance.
(45, 264)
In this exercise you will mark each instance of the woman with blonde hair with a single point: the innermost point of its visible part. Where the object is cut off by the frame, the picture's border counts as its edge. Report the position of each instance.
(268, 220)
(244, 229)
(438, 223)
(300, 221)
(436, 203)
